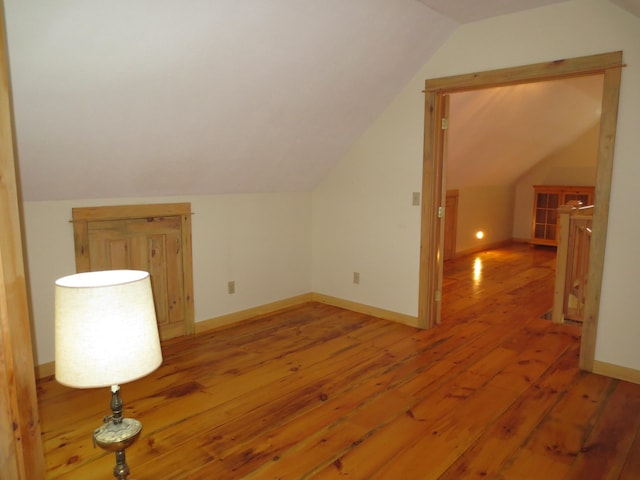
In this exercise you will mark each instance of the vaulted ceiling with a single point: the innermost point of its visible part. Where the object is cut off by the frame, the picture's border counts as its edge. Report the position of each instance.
(498, 134)
(167, 97)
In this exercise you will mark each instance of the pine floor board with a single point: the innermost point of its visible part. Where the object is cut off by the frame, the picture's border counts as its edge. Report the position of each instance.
(318, 392)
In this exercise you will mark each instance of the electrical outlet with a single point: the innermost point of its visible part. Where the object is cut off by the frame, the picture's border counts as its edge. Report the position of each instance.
(231, 287)
(356, 277)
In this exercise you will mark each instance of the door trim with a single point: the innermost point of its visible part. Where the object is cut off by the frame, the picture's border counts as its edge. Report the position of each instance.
(82, 217)
(450, 222)
(21, 450)
(609, 65)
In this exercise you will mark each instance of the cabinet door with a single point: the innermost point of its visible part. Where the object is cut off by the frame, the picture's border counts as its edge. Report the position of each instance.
(545, 218)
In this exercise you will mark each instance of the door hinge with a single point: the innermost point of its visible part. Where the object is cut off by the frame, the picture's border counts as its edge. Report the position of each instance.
(440, 212)
(444, 123)
(438, 296)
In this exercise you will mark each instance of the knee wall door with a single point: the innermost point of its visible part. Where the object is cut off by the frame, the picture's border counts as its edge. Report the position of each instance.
(153, 238)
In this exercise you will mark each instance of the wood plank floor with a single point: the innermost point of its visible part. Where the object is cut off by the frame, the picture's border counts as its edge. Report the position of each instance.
(319, 392)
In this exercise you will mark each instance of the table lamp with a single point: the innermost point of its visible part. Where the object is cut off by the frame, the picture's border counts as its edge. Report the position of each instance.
(106, 334)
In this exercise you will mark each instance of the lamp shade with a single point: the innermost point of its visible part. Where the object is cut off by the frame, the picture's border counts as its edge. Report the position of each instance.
(106, 331)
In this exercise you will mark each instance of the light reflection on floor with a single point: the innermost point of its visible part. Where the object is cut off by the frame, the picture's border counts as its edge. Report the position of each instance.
(477, 271)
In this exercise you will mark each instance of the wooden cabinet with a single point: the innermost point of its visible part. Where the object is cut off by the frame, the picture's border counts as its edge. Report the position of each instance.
(546, 200)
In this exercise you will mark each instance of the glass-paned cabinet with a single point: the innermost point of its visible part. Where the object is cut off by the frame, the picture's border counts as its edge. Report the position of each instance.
(546, 200)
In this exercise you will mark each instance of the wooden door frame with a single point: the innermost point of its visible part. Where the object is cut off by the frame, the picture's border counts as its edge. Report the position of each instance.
(82, 217)
(433, 187)
(21, 451)
(451, 219)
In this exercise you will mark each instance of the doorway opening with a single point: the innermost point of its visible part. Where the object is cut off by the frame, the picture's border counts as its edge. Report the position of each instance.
(434, 186)
(507, 144)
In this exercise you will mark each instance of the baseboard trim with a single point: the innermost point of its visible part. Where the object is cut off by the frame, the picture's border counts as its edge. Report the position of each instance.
(616, 371)
(45, 370)
(366, 309)
(48, 369)
(482, 248)
(602, 368)
(251, 313)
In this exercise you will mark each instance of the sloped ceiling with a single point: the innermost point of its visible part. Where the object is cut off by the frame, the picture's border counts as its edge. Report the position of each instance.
(161, 97)
(465, 11)
(498, 134)
(631, 6)
(168, 97)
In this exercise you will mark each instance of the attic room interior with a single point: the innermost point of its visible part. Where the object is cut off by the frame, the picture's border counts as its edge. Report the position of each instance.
(317, 331)
(559, 119)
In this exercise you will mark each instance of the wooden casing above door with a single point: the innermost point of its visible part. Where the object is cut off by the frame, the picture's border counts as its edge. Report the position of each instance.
(155, 238)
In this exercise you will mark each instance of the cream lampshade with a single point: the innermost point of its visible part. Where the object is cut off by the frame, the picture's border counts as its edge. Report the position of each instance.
(106, 331)
(106, 334)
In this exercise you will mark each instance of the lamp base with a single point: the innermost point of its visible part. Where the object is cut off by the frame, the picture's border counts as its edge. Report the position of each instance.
(117, 436)
(117, 433)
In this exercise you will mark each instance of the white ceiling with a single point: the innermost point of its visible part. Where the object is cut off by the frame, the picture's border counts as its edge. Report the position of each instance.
(632, 6)
(465, 11)
(162, 97)
(168, 97)
(498, 134)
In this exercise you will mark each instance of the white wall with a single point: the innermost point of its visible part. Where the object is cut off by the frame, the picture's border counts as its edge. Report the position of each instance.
(261, 241)
(362, 218)
(489, 209)
(575, 164)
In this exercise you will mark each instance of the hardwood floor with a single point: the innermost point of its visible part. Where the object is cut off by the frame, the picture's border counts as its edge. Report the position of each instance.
(320, 392)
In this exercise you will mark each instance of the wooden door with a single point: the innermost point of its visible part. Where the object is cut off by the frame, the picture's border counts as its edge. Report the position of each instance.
(109, 238)
(450, 224)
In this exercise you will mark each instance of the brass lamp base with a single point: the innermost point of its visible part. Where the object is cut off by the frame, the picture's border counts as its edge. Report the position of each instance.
(117, 433)
(113, 437)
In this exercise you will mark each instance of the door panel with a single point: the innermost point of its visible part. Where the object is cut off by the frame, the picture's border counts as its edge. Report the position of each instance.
(153, 244)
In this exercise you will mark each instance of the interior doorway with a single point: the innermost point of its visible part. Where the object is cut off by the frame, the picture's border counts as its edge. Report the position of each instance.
(434, 186)
(503, 141)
